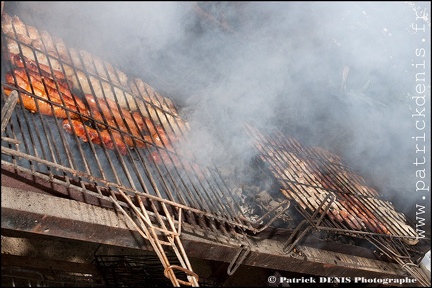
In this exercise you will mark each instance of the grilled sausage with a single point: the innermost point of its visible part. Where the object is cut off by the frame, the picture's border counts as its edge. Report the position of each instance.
(19, 78)
(41, 82)
(106, 112)
(336, 214)
(369, 218)
(352, 222)
(110, 111)
(125, 121)
(158, 135)
(88, 134)
(46, 71)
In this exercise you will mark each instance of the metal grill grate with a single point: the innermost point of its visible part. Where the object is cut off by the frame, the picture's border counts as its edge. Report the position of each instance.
(321, 185)
(39, 144)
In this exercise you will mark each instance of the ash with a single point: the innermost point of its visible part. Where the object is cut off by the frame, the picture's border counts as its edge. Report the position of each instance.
(260, 193)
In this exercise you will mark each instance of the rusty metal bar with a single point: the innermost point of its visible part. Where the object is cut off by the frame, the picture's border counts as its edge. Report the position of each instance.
(238, 259)
(8, 109)
(115, 185)
(257, 224)
(287, 248)
(149, 233)
(169, 270)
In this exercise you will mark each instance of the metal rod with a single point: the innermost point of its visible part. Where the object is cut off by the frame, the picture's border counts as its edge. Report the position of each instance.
(8, 109)
(238, 260)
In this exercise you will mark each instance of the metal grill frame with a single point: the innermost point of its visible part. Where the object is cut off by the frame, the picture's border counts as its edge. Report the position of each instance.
(391, 245)
(210, 199)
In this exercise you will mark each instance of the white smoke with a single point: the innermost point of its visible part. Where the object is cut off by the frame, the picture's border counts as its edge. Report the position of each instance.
(282, 68)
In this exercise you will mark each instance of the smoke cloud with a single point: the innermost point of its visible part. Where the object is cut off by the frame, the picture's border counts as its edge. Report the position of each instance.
(276, 65)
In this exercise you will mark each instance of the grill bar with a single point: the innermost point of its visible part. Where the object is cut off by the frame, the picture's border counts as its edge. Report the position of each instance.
(196, 215)
(149, 231)
(7, 109)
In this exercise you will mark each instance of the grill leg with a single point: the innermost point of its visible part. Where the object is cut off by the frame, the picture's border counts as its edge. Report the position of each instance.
(288, 246)
(238, 260)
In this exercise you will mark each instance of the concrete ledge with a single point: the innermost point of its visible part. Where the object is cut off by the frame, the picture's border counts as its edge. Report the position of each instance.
(43, 214)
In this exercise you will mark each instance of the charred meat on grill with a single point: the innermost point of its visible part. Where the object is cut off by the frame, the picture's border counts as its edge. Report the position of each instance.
(88, 134)
(54, 96)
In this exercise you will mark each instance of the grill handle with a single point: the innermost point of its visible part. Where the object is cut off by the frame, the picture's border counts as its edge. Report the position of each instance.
(187, 271)
(8, 108)
(238, 260)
